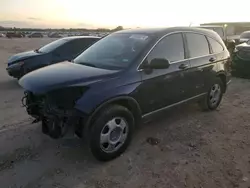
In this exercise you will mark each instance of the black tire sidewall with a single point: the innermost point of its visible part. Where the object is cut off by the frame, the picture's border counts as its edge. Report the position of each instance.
(104, 116)
(210, 107)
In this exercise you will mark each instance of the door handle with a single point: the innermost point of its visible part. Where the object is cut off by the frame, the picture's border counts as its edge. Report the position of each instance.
(183, 66)
(212, 59)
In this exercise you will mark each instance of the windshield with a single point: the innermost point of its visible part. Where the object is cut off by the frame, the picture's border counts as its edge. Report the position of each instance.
(52, 46)
(245, 35)
(115, 51)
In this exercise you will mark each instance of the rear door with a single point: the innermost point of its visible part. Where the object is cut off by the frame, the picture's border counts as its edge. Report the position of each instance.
(220, 54)
(203, 62)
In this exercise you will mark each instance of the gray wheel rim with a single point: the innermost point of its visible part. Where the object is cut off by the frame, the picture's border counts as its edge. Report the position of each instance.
(215, 94)
(114, 134)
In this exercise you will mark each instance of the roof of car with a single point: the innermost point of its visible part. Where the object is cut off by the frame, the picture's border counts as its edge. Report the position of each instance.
(217, 26)
(79, 37)
(164, 31)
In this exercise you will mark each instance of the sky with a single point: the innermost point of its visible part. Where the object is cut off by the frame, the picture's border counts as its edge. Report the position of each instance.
(113, 13)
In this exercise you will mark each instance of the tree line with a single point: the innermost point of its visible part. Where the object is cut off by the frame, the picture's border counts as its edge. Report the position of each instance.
(61, 30)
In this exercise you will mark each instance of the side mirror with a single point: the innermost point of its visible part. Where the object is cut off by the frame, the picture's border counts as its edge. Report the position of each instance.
(159, 63)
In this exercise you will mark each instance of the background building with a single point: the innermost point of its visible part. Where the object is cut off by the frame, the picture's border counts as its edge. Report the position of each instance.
(232, 28)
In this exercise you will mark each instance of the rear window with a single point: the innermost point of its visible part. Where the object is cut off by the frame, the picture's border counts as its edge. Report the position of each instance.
(216, 46)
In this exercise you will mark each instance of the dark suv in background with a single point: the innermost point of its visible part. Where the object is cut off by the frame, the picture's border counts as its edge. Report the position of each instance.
(124, 77)
(59, 50)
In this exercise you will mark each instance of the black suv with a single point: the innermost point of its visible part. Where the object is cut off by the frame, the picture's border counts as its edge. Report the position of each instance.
(124, 77)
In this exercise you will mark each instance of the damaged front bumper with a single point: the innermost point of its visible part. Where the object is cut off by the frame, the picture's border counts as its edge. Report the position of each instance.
(57, 117)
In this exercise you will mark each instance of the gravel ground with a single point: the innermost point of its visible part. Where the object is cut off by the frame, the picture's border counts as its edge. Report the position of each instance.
(182, 147)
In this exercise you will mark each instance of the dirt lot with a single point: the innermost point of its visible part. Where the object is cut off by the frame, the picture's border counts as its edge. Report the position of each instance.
(192, 148)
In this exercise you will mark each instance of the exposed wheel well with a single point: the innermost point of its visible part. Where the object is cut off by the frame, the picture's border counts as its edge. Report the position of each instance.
(131, 106)
(129, 103)
(224, 81)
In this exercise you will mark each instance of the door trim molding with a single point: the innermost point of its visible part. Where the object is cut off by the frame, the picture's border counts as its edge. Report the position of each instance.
(172, 105)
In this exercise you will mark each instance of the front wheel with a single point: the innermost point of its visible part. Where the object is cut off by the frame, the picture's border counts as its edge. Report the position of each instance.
(111, 132)
(213, 98)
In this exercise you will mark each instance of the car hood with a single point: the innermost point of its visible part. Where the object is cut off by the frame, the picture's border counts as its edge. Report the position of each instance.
(62, 75)
(22, 56)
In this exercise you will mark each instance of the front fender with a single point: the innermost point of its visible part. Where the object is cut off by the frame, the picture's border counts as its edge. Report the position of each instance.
(37, 62)
(90, 101)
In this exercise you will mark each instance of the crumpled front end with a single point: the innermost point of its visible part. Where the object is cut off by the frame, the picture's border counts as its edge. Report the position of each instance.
(56, 110)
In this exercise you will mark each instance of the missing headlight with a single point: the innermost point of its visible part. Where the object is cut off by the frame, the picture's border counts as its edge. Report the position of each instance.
(65, 98)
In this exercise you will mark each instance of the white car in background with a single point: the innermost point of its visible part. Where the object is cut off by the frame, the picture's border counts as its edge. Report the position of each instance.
(245, 36)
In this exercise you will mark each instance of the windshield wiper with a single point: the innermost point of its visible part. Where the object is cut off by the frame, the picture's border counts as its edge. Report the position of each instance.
(87, 64)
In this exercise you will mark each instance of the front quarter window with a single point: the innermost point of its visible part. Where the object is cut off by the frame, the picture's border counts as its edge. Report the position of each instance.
(116, 51)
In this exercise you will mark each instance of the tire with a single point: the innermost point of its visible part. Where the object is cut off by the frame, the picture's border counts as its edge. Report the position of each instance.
(115, 125)
(213, 97)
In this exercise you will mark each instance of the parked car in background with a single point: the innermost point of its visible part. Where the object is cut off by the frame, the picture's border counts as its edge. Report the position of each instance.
(14, 35)
(125, 77)
(60, 50)
(245, 36)
(241, 60)
(54, 35)
(35, 35)
(2, 35)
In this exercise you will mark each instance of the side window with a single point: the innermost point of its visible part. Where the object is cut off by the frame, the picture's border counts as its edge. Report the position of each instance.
(216, 46)
(74, 47)
(85, 43)
(78, 46)
(62, 50)
(197, 45)
(170, 48)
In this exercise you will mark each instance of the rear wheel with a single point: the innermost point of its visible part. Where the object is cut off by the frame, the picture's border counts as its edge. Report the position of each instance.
(111, 132)
(213, 98)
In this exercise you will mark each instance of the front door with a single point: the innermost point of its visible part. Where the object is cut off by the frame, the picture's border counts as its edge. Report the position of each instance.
(164, 87)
